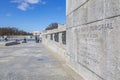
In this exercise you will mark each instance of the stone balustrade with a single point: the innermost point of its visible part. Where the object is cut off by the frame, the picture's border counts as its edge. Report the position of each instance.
(55, 39)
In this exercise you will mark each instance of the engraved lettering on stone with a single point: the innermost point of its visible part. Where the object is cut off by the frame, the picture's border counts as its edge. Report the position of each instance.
(97, 27)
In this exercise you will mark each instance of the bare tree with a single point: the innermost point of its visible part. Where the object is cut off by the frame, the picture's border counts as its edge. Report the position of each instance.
(52, 26)
(12, 31)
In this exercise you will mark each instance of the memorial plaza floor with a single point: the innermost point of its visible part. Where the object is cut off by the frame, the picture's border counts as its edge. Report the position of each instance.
(31, 61)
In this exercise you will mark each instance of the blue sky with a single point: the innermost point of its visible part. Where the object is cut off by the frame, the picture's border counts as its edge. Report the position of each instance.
(31, 15)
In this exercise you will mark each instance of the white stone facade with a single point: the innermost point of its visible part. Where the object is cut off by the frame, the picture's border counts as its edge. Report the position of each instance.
(93, 41)
(36, 33)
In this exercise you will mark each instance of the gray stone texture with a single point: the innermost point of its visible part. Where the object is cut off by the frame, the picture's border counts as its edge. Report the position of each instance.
(57, 47)
(31, 61)
(93, 41)
(90, 11)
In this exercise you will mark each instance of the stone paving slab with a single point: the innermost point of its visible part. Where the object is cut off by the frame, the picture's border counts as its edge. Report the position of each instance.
(31, 61)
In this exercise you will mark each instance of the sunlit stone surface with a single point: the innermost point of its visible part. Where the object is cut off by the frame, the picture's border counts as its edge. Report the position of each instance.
(30, 61)
(93, 41)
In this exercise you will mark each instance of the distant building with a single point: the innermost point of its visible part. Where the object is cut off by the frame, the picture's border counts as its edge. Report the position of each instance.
(36, 33)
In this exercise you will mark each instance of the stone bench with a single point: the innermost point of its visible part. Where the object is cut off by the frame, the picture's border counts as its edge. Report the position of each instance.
(11, 43)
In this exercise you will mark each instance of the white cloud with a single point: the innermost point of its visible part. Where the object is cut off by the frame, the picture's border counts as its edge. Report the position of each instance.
(32, 1)
(27, 1)
(23, 6)
(26, 4)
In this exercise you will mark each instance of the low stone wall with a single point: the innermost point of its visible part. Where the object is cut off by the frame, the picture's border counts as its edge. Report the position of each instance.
(12, 43)
(8, 43)
(55, 40)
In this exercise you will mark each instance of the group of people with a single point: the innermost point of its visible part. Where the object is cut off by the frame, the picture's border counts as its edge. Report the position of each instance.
(37, 39)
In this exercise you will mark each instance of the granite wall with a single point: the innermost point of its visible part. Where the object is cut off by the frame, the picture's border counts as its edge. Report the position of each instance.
(55, 40)
(93, 38)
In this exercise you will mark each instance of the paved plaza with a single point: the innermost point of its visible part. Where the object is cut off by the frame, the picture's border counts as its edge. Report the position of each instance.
(31, 61)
